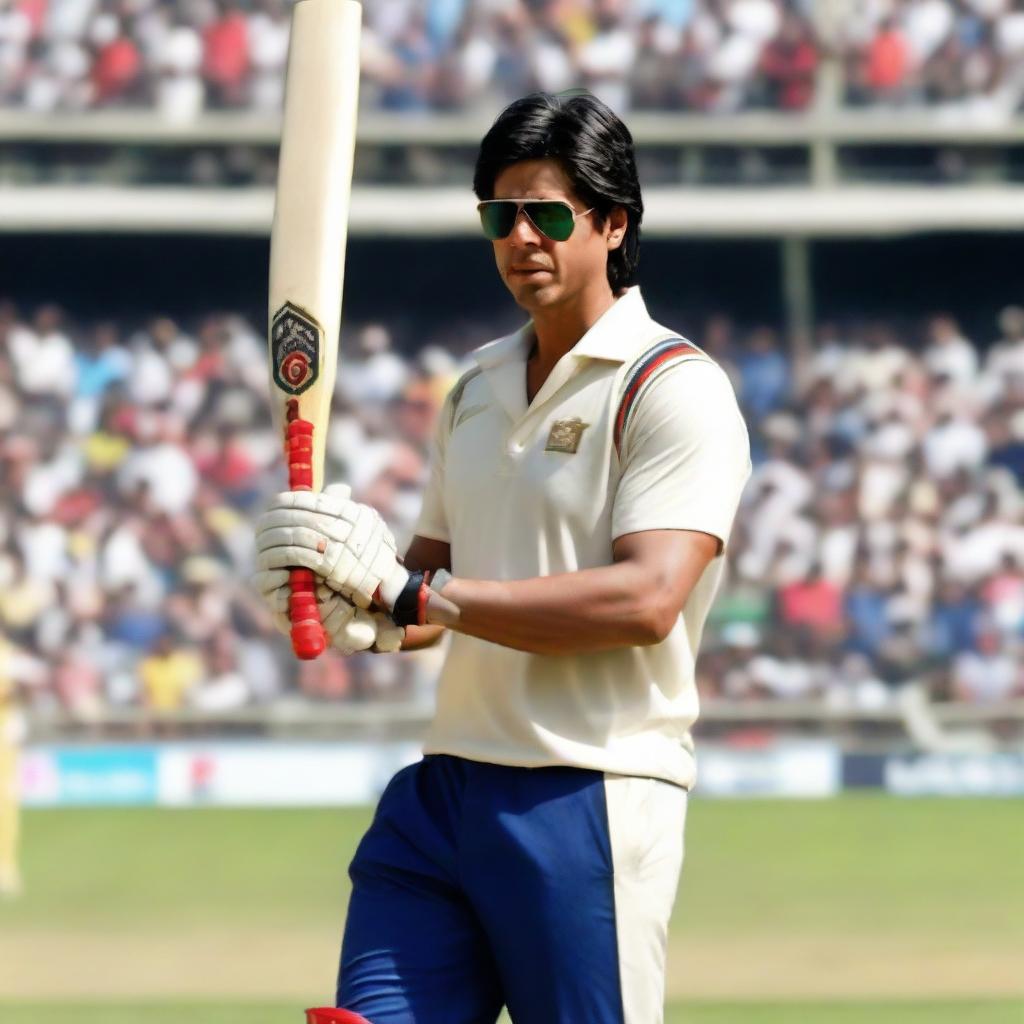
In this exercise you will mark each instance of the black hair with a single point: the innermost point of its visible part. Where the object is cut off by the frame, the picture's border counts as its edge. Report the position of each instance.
(594, 147)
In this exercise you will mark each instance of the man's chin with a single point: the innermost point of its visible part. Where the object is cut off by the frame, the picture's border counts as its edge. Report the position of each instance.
(539, 296)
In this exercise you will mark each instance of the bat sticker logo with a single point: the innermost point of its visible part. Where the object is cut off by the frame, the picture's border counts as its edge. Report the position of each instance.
(295, 349)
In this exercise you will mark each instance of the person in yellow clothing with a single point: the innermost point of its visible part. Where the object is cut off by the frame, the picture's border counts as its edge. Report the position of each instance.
(167, 675)
(17, 670)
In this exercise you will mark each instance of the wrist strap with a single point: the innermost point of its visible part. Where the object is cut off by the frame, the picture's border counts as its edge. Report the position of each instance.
(410, 606)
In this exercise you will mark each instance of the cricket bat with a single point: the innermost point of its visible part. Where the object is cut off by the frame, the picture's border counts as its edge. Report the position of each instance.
(307, 255)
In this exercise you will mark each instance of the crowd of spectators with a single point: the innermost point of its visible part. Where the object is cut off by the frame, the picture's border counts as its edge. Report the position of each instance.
(963, 56)
(133, 465)
(181, 56)
(880, 539)
(881, 536)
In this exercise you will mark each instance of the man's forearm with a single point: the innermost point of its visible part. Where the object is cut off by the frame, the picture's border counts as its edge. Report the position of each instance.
(573, 613)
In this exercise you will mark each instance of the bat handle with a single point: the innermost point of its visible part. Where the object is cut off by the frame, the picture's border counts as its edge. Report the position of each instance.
(308, 639)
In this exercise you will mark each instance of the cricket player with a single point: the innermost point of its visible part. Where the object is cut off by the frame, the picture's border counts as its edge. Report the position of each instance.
(583, 483)
(18, 671)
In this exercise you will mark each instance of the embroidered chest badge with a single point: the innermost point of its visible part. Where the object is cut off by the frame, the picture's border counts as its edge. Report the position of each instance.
(565, 435)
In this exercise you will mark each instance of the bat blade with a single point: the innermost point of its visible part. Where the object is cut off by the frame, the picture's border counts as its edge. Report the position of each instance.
(307, 253)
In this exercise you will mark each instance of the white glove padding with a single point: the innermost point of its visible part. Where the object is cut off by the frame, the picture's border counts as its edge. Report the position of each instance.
(344, 542)
(350, 629)
(389, 636)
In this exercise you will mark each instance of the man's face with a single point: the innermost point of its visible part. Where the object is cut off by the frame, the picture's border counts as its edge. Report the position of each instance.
(540, 273)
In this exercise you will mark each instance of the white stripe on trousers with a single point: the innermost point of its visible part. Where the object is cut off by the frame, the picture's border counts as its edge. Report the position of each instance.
(646, 819)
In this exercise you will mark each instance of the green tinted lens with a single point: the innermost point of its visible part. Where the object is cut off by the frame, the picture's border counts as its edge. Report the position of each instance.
(553, 219)
(498, 218)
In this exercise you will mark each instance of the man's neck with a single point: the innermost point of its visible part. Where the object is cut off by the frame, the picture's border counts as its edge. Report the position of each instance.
(556, 331)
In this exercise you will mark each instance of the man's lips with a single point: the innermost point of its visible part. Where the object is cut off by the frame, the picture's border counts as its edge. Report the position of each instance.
(529, 270)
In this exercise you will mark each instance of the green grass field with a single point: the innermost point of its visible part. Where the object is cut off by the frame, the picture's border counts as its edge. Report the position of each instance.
(862, 909)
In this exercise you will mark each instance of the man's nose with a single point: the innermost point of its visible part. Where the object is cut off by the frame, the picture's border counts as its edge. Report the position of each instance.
(523, 231)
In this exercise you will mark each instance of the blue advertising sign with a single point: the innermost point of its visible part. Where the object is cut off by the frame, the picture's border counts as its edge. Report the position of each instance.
(105, 775)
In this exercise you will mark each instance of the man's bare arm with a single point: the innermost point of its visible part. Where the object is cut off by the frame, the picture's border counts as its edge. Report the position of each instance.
(635, 601)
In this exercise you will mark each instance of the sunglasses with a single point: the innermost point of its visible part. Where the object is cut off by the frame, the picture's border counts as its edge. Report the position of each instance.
(553, 218)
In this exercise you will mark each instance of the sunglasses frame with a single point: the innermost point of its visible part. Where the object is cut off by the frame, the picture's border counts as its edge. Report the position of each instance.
(521, 205)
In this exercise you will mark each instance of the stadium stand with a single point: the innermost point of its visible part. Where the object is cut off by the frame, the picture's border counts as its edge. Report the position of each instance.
(880, 541)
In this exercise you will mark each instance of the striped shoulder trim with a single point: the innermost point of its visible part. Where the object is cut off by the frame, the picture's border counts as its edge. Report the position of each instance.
(456, 393)
(643, 371)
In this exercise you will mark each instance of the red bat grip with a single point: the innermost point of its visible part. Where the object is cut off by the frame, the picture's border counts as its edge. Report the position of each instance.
(308, 639)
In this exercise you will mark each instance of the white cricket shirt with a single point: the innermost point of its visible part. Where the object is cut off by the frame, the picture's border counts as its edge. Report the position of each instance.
(514, 502)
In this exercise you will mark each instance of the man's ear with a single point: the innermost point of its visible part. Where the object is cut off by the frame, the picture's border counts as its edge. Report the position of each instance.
(616, 224)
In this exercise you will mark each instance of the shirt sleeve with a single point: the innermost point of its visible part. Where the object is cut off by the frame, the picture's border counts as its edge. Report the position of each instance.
(433, 520)
(685, 456)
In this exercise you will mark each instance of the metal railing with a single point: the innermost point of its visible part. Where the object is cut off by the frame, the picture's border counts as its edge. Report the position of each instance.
(822, 139)
(932, 726)
(882, 126)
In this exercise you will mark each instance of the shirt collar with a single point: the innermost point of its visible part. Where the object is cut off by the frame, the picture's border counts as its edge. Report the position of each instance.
(619, 330)
(506, 349)
(615, 336)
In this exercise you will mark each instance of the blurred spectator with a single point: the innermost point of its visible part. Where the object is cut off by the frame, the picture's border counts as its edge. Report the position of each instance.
(926, 24)
(169, 673)
(44, 361)
(159, 471)
(132, 623)
(991, 673)
(224, 688)
(954, 620)
(1003, 595)
(178, 87)
(866, 607)
(379, 375)
(16, 31)
(764, 373)
(410, 88)
(606, 59)
(884, 72)
(1006, 357)
(1006, 444)
(226, 56)
(268, 29)
(953, 443)
(813, 602)
(779, 671)
(23, 599)
(160, 356)
(117, 66)
(78, 686)
(949, 354)
(788, 64)
(100, 363)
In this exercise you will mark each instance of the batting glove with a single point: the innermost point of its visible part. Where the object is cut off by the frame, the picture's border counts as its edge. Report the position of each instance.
(347, 544)
(350, 629)
(344, 542)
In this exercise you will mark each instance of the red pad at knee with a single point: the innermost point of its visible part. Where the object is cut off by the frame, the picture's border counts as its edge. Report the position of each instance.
(329, 1015)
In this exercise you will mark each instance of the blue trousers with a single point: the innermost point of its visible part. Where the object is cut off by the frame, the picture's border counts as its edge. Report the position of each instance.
(481, 885)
